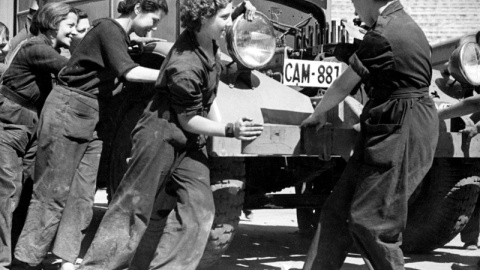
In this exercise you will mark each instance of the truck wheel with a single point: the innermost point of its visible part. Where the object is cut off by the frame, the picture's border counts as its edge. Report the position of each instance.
(307, 218)
(229, 197)
(442, 206)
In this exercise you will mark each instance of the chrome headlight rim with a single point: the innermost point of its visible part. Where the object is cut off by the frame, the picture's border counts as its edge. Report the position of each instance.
(231, 40)
(457, 66)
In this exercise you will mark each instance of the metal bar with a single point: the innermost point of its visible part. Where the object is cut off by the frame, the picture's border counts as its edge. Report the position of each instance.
(334, 32)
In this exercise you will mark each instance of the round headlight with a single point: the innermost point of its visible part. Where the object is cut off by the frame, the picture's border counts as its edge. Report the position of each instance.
(464, 63)
(251, 43)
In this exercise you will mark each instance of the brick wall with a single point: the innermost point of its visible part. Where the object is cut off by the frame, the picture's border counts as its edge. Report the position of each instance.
(439, 19)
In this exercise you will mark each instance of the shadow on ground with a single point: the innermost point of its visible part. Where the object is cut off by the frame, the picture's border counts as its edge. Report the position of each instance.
(260, 247)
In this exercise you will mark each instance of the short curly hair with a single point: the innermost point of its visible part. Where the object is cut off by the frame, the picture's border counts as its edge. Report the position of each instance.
(193, 13)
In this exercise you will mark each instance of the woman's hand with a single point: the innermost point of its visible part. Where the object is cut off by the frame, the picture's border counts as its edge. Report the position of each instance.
(246, 130)
(249, 11)
(471, 130)
(146, 40)
(135, 47)
(137, 44)
(319, 120)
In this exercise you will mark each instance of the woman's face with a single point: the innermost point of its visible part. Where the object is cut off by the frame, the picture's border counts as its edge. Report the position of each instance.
(145, 22)
(215, 26)
(66, 29)
(83, 25)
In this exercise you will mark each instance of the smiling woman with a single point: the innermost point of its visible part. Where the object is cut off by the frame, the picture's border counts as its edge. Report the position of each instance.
(57, 22)
(26, 84)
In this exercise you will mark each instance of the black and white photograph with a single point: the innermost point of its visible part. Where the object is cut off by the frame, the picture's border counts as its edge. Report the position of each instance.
(239, 134)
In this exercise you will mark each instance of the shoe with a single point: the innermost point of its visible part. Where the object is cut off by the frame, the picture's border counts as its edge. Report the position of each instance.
(19, 265)
(470, 246)
(457, 266)
(67, 266)
(248, 214)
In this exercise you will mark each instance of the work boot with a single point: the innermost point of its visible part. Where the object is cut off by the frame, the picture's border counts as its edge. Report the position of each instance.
(19, 265)
(470, 246)
(457, 266)
(66, 265)
(248, 213)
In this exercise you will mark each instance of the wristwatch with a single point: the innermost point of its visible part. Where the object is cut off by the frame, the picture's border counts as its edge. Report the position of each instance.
(229, 130)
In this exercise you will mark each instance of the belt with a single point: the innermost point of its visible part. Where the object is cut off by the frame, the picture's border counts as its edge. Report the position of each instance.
(11, 95)
(63, 84)
(401, 93)
(73, 89)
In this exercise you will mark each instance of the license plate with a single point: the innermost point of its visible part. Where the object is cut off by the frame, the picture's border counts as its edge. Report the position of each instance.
(310, 73)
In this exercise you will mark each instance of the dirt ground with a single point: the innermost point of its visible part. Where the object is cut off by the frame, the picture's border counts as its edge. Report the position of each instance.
(269, 241)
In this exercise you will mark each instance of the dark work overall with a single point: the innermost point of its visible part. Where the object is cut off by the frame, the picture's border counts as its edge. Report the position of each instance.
(18, 120)
(395, 150)
(65, 175)
(165, 194)
(159, 153)
(368, 206)
(70, 145)
(24, 87)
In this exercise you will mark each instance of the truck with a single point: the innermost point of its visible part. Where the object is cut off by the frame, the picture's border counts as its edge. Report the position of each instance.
(299, 39)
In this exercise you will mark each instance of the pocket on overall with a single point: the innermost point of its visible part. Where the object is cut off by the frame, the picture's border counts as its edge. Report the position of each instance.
(81, 118)
(8, 109)
(16, 136)
(175, 137)
(384, 139)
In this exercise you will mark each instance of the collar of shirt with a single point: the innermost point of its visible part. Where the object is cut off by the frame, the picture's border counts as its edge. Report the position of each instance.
(45, 38)
(42, 38)
(391, 7)
(98, 21)
(209, 63)
(388, 9)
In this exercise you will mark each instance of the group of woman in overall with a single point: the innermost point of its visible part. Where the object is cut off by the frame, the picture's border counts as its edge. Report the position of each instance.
(50, 109)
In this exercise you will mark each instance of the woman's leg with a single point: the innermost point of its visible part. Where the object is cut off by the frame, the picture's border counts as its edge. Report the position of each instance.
(397, 163)
(332, 239)
(188, 226)
(146, 248)
(12, 139)
(128, 214)
(79, 207)
(66, 127)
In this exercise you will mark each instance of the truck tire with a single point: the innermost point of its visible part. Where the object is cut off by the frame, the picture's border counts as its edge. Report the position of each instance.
(307, 218)
(228, 196)
(441, 206)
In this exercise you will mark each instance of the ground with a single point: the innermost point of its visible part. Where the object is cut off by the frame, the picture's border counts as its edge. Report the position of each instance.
(269, 241)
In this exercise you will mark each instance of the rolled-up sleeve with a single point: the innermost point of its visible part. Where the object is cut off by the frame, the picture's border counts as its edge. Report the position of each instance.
(373, 56)
(186, 93)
